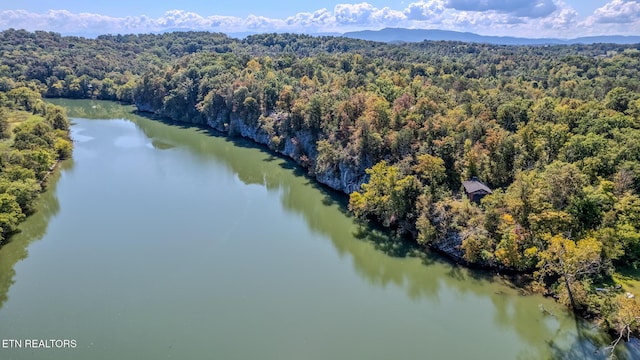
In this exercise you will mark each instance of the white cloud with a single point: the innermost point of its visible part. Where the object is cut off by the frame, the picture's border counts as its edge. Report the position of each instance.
(532, 18)
(318, 19)
(522, 8)
(254, 22)
(178, 18)
(565, 18)
(65, 21)
(425, 10)
(616, 12)
(497, 17)
(218, 22)
(484, 20)
(615, 17)
(365, 14)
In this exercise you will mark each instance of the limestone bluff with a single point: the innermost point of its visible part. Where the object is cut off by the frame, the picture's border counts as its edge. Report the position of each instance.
(344, 176)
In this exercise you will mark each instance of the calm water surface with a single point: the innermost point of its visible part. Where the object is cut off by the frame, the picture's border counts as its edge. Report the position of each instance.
(165, 241)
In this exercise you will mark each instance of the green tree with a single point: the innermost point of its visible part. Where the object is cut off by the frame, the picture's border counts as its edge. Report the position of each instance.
(24, 98)
(63, 148)
(513, 113)
(25, 192)
(4, 124)
(559, 184)
(618, 99)
(10, 215)
(430, 169)
(388, 196)
(57, 118)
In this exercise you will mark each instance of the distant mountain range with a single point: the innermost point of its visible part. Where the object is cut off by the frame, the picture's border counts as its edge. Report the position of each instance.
(417, 35)
(399, 35)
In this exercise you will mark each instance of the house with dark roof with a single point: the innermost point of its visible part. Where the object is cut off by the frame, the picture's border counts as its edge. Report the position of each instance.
(476, 189)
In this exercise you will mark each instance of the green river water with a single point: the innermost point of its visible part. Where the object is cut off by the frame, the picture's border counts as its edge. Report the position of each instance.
(165, 241)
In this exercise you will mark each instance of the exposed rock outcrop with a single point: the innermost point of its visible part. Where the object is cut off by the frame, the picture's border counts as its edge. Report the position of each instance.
(343, 177)
(301, 147)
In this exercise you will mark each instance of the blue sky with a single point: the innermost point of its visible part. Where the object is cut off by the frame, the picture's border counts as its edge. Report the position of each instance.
(530, 18)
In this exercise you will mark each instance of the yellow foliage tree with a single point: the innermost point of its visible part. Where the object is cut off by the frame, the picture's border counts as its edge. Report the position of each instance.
(571, 261)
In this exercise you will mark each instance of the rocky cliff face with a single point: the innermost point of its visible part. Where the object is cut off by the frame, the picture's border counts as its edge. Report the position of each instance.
(343, 177)
(301, 148)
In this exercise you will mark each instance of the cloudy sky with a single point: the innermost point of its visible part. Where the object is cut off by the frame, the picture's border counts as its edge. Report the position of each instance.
(528, 18)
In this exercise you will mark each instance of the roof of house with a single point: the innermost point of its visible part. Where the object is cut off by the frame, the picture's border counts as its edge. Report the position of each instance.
(475, 185)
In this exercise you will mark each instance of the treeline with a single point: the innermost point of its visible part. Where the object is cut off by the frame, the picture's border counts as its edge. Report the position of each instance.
(554, 131)
(108, 67)
(33, 136)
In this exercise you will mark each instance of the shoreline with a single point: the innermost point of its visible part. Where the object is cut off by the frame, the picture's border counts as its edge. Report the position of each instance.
(43, 182)
(521, 280)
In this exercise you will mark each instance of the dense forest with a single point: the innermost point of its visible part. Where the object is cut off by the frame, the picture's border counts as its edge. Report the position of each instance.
(554, 131)
(34, 135)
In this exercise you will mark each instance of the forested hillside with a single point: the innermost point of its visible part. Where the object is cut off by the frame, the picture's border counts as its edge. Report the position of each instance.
(33, 136)
(554, 131)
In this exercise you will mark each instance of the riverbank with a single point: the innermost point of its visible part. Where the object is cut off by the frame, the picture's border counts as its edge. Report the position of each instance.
(301, 150)
(31, 145)
(53, 167)
(258, 244)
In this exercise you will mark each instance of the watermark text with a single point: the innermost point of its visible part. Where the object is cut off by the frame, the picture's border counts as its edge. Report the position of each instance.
(38, 344)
